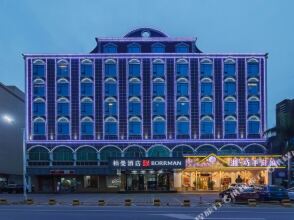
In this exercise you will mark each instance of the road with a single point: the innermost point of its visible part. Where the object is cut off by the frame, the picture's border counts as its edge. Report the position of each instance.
(45, 212)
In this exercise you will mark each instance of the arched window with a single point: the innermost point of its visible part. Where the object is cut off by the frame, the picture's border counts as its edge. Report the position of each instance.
(109, 152)
(158, 68)
(230, 87)
(229, 68)
(158, 106)
(182, 126)
(182, 87)
(253, 88)
(134, 68)
(206, 150)
(87, 107)
(62, 154)
(159, 126)
(39, 107)
(86, 87)
(86, 154)
(110, 126)
(134, 106)
(206, 106)
(254, 149)
(157, 48)
(135, 126)
(63, 126)
(252, 68)
(39, 68)
(158, 87)
(230, 106)
(253, 106)
(86, 68)
(134, 48)
(62, 68)
(110, 68)
(39, 154)
(182, 48)
(39, 126)
(63, 107)
(134, 152)
(182, 68)
(39, 88)
(206, 68)
(110, 48)
(206, 88)
(230, 125)
(110, 107)
(182, 150)
(206, 127)
(230, 150)
(110, 87)
(158, 151)
(135, 87)
(87, 126)
(253, 125)
(182, 106)
(62, 88)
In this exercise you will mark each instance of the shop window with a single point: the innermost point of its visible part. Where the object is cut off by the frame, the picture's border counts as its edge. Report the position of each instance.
(86, 154)
(39, 154)
(182, 150)
(134, 152)
(62, 154)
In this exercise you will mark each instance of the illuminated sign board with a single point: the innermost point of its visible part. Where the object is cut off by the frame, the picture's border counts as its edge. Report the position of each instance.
(233, 161)
(148, 163)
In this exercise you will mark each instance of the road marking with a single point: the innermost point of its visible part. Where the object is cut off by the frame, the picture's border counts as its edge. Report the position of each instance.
(177, 216)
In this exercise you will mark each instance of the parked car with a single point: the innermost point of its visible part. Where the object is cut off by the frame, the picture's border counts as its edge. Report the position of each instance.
(272, 192)
(245, 194)
(291, 193)
(12, 188)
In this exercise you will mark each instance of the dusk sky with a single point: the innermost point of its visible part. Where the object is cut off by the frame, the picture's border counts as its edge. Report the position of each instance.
(70, 26)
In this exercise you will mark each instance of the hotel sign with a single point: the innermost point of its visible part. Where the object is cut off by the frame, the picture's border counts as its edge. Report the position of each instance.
(148, 163)
(213, 160)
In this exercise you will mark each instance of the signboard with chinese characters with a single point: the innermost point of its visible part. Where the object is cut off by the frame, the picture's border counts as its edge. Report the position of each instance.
(213, 160)
(148, 163)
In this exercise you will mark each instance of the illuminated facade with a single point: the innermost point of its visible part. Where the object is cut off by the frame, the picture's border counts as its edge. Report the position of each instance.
(143, 95)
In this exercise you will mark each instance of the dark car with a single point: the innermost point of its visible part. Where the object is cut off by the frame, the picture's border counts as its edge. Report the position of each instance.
(244, 195)
(272, 192)
(13, 188)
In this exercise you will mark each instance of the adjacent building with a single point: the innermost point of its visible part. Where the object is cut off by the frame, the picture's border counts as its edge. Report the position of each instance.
(136, 110)
(12, 123)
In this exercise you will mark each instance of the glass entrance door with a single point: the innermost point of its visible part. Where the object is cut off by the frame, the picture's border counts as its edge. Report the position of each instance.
(205, 181)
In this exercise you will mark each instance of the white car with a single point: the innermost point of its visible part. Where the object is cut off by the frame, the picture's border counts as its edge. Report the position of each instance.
(291, 193)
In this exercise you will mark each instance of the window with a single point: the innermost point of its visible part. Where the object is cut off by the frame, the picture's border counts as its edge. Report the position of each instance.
(207, 126)
(39, 69)
(110, 128)
(182, 108)
(87, 128)
(134, 70)
(159, 108)
(230, 108)
(182, 70)
(62, 69)
(86, 69)
(253, 89)
(206, 89)
(253, 127)
(206, 108)
(230, 127)
(110, 48)
(62, 154)
(158, 89)
(230, 88)
(182, 48)
(38, 153)
(134, 48)
(39, 128)
(134, 89)
(86, 108)
(63, 109)
(109, 152)
(87, 89)
(182, 89)
(63, 128)
(158, 48)
(86, 154)
(110, 88)
(229, 69)
(110, 70)
(39, 90)
(159, 126)
(62, 89)
(39, 108)
(134, 108)
(183, 126)
(253, 69)
(110, 108)
(206, 69)
(134, 152)
(158, 70)
(135, 128)
(253, 107)
(158, 151)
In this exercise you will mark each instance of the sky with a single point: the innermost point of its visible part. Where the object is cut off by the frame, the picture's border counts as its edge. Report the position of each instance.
(70, 26)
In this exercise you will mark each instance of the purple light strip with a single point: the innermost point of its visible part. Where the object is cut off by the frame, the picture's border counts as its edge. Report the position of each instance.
(143, 39)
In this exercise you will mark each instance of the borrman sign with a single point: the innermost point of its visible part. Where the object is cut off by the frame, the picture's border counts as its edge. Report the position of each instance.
(148, 163)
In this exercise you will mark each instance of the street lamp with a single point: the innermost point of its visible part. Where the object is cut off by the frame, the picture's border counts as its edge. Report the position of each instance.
(10, 120)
